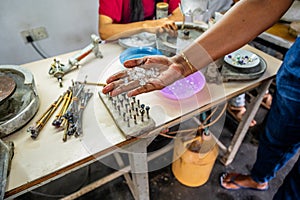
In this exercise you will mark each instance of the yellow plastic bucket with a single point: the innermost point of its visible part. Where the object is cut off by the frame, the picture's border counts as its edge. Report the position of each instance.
(193, 168)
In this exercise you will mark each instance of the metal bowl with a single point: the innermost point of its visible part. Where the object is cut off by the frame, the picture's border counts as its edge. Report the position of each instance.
(168, 44)
(19, 108)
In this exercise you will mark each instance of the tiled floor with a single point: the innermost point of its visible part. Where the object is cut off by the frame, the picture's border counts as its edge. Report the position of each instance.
(163, 184)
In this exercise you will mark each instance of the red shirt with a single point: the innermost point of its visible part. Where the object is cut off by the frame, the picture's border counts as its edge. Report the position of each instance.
(119, 10)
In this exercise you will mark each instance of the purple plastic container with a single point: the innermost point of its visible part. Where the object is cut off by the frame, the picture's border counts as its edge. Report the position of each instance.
(186, 87)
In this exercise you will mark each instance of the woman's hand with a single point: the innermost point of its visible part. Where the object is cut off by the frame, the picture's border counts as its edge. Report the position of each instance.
(168, 26)
(160, 26)
(145, 75)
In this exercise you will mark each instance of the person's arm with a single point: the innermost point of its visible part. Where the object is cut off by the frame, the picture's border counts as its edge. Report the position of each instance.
(176, 15)
(111, 31)
(242, 23)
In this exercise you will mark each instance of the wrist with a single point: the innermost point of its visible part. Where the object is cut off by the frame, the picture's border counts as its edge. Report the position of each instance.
(150, 26)
(186, 67)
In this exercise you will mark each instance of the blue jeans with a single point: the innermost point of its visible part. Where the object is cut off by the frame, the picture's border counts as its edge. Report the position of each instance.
(281, 139)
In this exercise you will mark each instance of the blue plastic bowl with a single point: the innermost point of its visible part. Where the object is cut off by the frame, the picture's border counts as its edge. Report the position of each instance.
(138, 52)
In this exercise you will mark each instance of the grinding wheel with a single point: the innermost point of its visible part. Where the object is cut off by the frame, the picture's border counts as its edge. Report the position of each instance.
(19, 101)
(7, 87)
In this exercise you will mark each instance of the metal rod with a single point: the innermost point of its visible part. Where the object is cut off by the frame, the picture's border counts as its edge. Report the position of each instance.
(93, 83)
(35, 130)
(183, 15)
(66, 101)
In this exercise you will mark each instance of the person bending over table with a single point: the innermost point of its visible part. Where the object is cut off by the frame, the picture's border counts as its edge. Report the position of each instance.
(123, 18)
(280, 140)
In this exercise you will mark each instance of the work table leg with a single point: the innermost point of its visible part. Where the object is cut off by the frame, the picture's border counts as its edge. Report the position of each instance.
(139, 169)
(244, 124)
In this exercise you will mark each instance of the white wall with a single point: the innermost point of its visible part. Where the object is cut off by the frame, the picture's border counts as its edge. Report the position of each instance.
(69, 24)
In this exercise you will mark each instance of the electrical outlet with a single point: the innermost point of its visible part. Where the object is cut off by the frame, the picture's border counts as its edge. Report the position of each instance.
(36, 34)
(39, 33)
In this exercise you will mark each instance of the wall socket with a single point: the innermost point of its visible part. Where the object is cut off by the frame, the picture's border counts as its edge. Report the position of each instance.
(36, 34)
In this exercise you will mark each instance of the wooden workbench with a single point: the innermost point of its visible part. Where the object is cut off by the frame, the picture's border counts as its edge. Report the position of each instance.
(279, 35)
(37, 162)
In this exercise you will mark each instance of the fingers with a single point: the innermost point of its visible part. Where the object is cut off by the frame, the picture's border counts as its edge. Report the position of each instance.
(117, 76)
(142, 89)
(134, 62)
(171, 33)
(116, 88)
(148, 62)
(145, 61)
(170, 28)
(113, 81)
(167, 26)
(112, 85)
(121, 88)
(133, 88)
(108, 88)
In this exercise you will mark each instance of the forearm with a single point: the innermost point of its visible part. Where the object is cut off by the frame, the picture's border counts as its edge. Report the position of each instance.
(116, 31)
(240, 24)
(112, 31)
(176, 15)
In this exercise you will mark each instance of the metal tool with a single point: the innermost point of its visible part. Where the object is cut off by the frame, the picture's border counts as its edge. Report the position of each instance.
(58, 121)
(130, 117)
(92, 83)
(183, 15)
(35, 129)
(74, 114)
(65, 136)
(84, 101)
(58, 70)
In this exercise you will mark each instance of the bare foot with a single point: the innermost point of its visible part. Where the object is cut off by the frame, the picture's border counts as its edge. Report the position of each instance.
(238, 113)
(267, 101)
(235, 181)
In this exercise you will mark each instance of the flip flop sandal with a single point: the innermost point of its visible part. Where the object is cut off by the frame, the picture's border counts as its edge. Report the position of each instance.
(232, 181)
